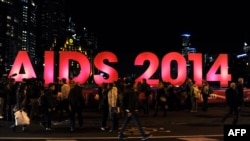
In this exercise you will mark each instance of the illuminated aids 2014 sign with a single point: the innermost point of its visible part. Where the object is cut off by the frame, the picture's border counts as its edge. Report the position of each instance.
(220, 63)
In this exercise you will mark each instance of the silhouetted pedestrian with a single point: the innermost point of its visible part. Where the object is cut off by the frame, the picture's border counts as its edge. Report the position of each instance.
(47, 106)
(76, 102)
(233, 101)
(131, 105)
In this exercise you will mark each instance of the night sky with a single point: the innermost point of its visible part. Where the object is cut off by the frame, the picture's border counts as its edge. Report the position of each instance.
(129, 27)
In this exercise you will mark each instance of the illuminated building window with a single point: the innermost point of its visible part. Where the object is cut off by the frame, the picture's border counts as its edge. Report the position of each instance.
(8, 17)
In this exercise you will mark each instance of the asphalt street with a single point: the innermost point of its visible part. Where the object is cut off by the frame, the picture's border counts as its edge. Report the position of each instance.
(178, 125)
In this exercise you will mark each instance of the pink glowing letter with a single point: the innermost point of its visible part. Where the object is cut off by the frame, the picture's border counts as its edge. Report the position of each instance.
(100, 65)
(181, 68)
(22, 59)
(222, 63)
(65, 57)
(48, 67)
(197, 61)
(153, 66)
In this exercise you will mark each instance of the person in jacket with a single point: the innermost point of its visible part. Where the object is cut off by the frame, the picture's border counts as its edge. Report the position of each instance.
(64, 103)
(131, 105)
(206, 91)
(145, 88)
(48, 106)
(113, 109)
(233, 101)
(22, 102)
(104, 107)
(76, 102)
(240, 90)
(161, 99)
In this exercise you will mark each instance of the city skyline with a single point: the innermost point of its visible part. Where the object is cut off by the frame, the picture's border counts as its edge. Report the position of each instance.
(130, 27)
(125, 28)
(144, 24)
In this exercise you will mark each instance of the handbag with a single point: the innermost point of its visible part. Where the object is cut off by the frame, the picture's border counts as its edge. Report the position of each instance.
(21, 118)
(163, 99)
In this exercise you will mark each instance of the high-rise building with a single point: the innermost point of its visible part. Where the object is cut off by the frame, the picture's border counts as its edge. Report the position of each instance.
(186, 45)
(186, 49)
(29, 29)
(17, 30)
(51, 27)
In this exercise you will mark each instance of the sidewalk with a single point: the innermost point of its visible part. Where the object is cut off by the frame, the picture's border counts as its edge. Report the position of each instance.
(180, 122)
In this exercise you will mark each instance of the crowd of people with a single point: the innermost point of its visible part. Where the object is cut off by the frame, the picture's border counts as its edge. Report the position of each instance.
(122, 98)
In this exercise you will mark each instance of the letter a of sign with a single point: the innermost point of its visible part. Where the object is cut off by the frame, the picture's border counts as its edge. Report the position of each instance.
(231, 132)
(22, 59)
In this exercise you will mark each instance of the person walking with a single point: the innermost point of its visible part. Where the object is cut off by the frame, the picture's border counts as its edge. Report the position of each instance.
(76, 102)
(233, 101)
(131, 105)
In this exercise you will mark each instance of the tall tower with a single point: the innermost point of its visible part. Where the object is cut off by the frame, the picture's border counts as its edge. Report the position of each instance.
(18, 30)
(29, 29)
(72, 43)
(51, 28)
(186, 49)
(10, 32)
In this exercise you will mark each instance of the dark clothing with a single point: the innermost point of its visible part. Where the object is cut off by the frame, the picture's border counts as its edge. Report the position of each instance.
(21, 104)
(205, 91)
(114, 119)
(130, 100)
(11, 100)
(172, 101)
(240, 90)
(104, 107)
(47, 108)
(48, 101)
(131, 103)
(188, 89)
(159, 103)
(75, 97)
(147, 91)
(233, 101)
(128, 118)
(76, 102)
(22, 101)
